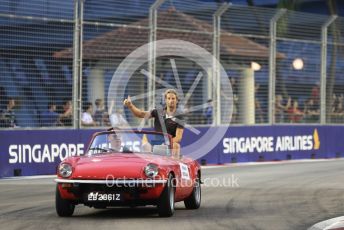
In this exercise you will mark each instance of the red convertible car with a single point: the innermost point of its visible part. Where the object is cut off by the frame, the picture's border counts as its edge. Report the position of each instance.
(128, 168)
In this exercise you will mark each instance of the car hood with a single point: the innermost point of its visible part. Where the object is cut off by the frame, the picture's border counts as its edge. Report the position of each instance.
(116, 165)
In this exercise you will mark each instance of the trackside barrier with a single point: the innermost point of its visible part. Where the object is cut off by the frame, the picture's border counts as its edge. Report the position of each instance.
(37, 152)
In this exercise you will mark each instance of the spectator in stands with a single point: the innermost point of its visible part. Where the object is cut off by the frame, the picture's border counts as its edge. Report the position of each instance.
(234, 85)
(50, 117)
(295, 114)
(235, 109)
(100, 114)
(311, 111)
(259, 114)
(281, 108)
(338, 109)
(315, 94)
(208, 112)
(3, 98)
(117, 119)
(333, 103)
(66, 116)
(87, 119)
(235, 117)
(8, 117)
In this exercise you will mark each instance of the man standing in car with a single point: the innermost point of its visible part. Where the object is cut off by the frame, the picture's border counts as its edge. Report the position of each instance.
(166, 118)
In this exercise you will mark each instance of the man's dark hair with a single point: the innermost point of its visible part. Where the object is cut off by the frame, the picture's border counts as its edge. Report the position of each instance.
(97, 101)
(65, 100)
(50, 104)
(86, 106)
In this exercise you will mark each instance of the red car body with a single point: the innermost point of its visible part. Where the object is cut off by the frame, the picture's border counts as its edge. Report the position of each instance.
(114, 178)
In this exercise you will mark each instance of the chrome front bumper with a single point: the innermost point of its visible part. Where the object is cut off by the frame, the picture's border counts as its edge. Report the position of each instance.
(111, 182)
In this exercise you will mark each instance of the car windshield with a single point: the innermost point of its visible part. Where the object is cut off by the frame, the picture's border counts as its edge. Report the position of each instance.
(129, 142)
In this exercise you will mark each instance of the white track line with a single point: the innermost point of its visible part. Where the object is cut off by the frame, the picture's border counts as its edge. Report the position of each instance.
(28, 177)
(328, 224)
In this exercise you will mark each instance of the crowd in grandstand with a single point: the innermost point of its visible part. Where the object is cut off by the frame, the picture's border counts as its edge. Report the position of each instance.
(287, 110)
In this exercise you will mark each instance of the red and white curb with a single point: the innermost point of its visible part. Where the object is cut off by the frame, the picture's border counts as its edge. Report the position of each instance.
(331, 224)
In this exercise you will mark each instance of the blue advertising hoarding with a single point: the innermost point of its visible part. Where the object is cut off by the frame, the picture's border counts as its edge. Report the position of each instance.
(37, 152)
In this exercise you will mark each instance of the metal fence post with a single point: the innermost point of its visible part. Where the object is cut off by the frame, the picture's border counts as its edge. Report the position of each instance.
(323, 66)
(76, 69)
(81, 37)
(152, 51)
(216, 60)
(272, 64)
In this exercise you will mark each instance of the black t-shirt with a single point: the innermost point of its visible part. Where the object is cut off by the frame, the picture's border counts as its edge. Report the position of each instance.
(171, 122)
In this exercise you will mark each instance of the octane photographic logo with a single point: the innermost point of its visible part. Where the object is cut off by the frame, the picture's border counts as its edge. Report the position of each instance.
(168, 48)
(229, 181)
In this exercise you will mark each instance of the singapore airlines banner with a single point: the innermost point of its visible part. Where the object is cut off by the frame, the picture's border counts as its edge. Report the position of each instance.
(271, 143)
(29, 152)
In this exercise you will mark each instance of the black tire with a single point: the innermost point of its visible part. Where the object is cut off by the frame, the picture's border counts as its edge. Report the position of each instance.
(194, 200)
(64, 208)
(166, 200)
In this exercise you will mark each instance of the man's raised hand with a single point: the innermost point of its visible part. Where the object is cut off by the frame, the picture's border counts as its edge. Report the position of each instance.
(127, 102)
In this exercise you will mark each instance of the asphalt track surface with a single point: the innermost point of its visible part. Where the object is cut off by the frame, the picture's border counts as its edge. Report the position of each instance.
(276, 196)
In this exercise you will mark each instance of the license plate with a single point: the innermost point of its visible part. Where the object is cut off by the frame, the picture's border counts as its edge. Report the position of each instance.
(103, 197)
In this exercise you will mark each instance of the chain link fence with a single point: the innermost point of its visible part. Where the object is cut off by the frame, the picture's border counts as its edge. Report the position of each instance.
(33, 82)
(57, 62)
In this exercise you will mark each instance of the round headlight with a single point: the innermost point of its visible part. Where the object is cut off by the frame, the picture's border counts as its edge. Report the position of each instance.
(151, 170)
(65, 170)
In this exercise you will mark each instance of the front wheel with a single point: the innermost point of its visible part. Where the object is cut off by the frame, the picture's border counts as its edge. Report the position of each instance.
(64, 208)
(166, 200)
(194, 200)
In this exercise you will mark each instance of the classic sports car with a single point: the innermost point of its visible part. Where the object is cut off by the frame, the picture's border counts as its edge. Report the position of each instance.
(128, 168)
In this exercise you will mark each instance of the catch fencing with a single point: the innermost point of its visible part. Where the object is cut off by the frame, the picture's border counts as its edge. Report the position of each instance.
(57, 59)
